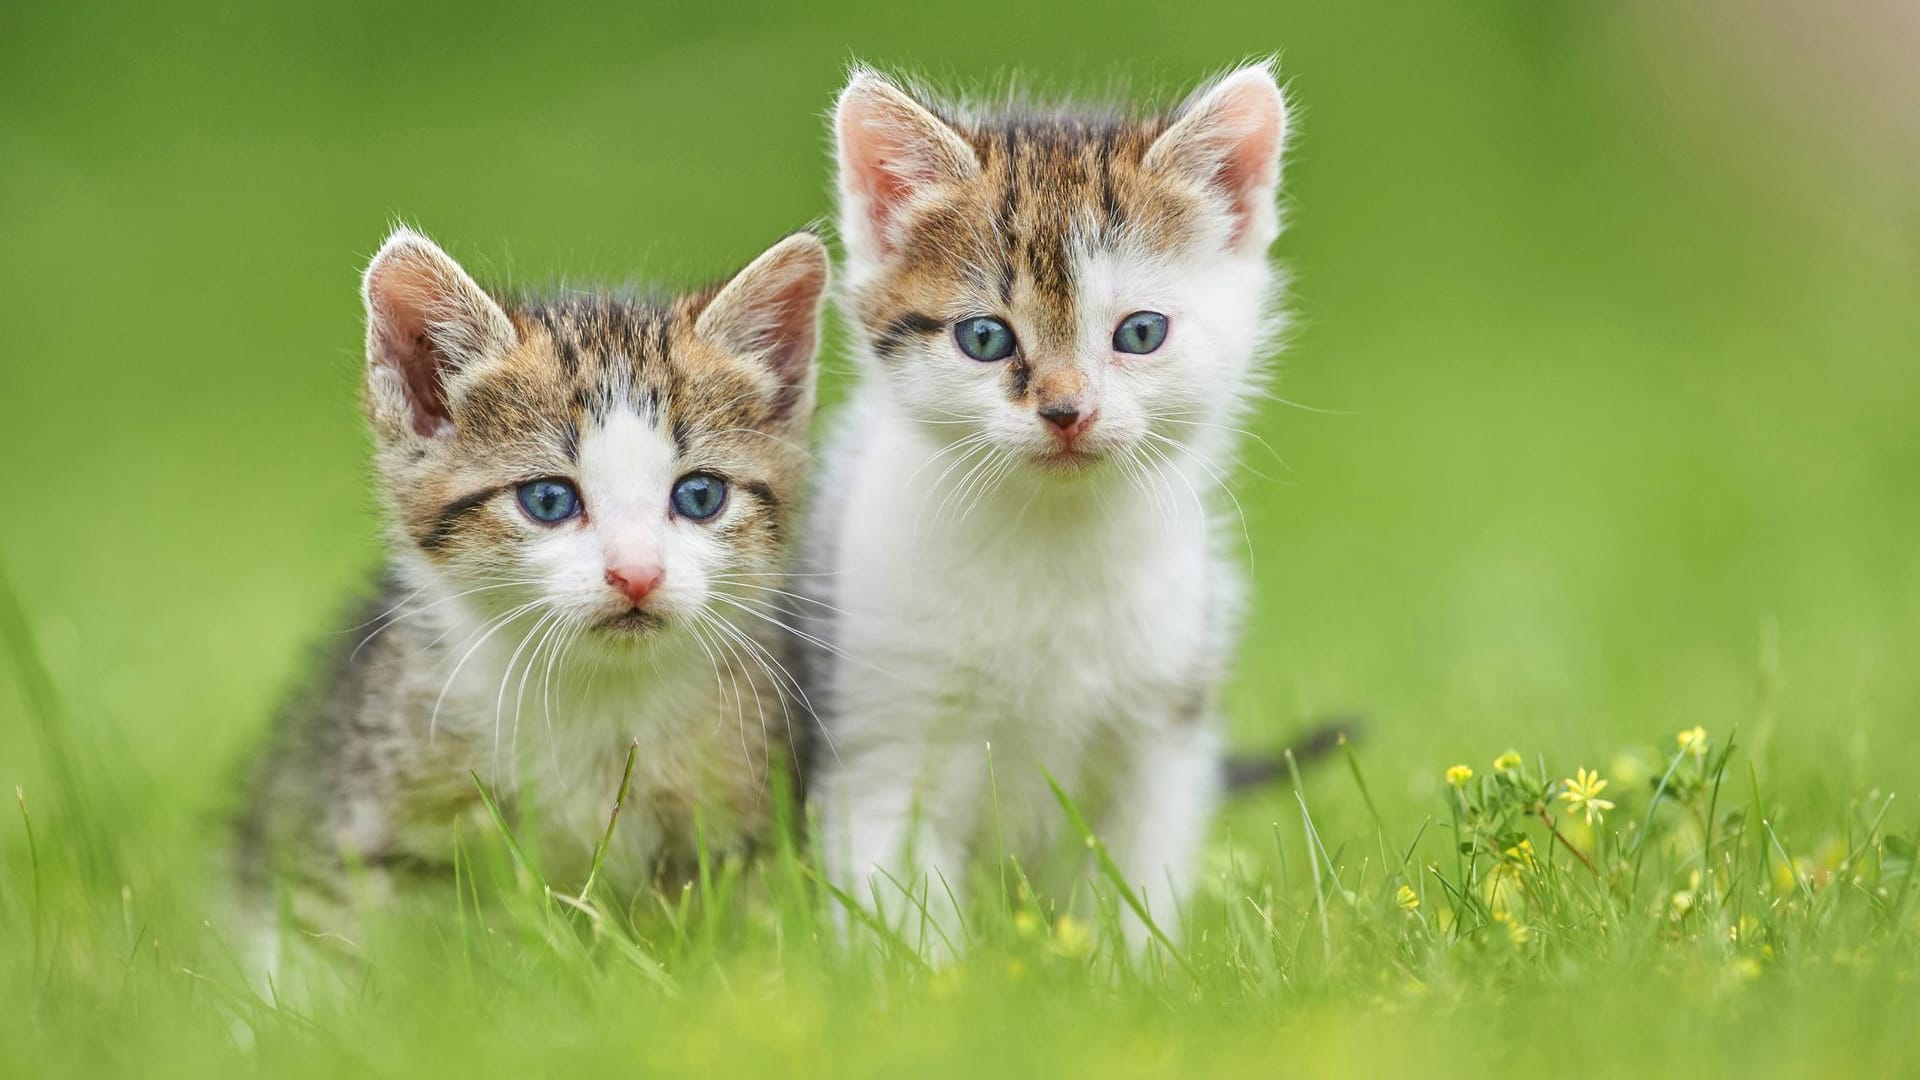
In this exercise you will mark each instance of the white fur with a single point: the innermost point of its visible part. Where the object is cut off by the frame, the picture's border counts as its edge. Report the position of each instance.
(1077, 624)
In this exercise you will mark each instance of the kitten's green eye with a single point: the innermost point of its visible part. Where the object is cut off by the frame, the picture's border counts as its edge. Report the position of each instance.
(549, 501)
(984, 338)
(1140, 332)
(699, 496)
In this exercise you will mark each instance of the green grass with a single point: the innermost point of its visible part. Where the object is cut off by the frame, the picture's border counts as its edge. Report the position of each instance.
(1688, 928)
(1614, 324)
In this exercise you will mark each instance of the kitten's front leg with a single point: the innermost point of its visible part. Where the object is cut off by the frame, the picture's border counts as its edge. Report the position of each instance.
(1157, 825)
(890, 852)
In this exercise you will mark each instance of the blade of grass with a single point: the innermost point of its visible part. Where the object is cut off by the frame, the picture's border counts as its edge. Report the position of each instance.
(506, 832)
(33, 863)
(1713, 804)
(1638, 854)
(927, 921)
(795, 900)
(606, 838)
(1407, 856)
(868, 919)
(1844, 871)
(1111, 871)
(1313, 843)
(53, 729)
(999, 835)
(1805, 889)
(1319, 886)
(1366, 796)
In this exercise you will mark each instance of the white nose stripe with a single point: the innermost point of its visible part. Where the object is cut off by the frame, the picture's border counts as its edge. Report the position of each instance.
(632, 548)
(625, 470)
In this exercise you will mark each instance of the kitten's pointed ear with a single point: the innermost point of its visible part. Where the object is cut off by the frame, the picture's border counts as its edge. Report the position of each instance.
(426, 321)
(771, 311)
(890, 148)
(1228, 138)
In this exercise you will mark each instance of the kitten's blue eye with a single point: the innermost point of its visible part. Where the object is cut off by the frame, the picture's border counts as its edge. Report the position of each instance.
(1140, 332)
(699, 496)
(549, 502)
(984, 338)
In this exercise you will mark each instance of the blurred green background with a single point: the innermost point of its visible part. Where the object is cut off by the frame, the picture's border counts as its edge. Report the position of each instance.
(1613, 311)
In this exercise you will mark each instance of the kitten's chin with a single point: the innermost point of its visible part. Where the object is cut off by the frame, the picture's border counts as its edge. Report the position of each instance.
(634, 624)
(1066, 462)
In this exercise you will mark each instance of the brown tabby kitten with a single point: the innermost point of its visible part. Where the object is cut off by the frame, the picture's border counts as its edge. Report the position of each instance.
(587, 501)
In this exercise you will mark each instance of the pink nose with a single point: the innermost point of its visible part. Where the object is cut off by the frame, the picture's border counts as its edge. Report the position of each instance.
(635, 582)
(1068, 421)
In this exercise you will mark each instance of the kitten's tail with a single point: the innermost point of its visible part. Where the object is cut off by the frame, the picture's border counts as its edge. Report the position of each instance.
(1246, 771)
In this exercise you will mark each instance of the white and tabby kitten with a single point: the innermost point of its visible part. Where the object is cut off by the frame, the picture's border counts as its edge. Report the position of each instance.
(1060, 316)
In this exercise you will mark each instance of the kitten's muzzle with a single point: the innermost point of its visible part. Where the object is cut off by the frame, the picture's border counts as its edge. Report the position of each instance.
(636, 583)
(1067, 422)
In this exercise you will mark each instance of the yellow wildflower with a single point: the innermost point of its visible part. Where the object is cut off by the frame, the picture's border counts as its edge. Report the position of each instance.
(1071, 938)
(1693, 741)
(1507, 762)
(1026, 922)
(1583, 794)
(1521, 852)
(1408, 900)
(1505, 888)
(1517, 931)
(1458, 776)
(945, 982)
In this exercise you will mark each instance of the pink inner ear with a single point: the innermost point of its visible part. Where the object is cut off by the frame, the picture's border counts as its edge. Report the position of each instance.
(1247, 169)
(891, 148)
(793, 334)
(405, 346)
(408, 289)
(1233, 138)
(875, 165)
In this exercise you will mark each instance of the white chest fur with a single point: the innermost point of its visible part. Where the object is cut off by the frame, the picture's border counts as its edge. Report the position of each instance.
(549, 735)
(1063, 620)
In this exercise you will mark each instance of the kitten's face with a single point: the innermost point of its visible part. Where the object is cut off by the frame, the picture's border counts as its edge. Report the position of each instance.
(1064, 291)
(615, 468)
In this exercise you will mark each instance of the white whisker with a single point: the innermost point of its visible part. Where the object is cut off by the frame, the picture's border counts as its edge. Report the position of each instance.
(487, 630)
